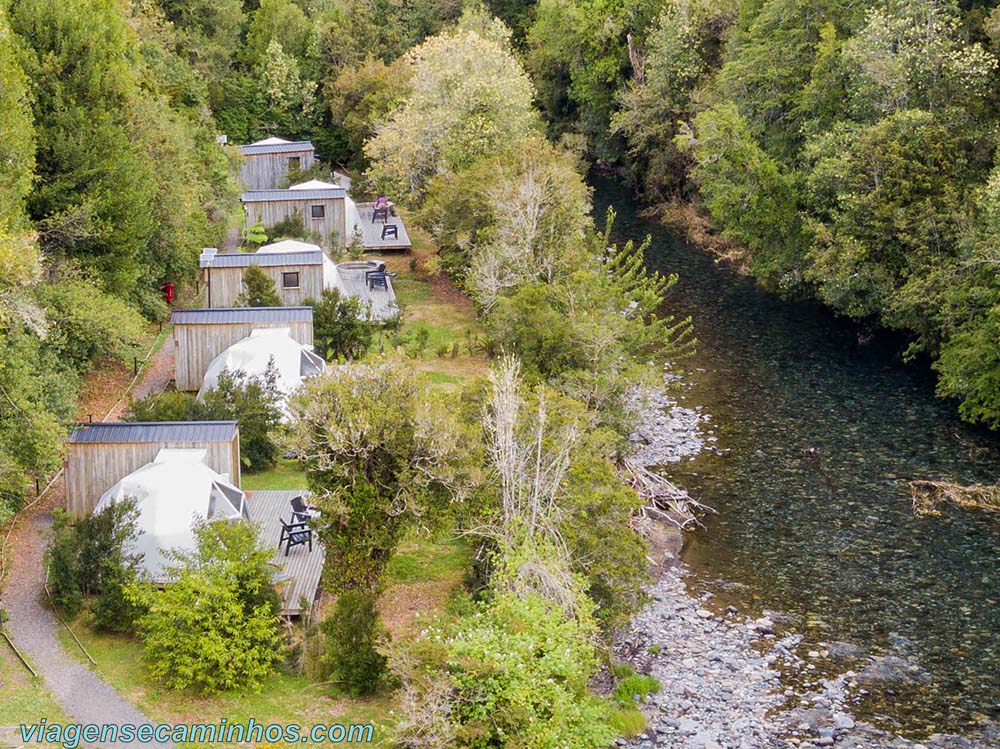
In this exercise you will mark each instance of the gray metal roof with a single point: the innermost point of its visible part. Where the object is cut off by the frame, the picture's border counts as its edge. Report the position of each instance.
(252, 149)
(268, 196)
(266, 259)
(154, 431)
(227, 315)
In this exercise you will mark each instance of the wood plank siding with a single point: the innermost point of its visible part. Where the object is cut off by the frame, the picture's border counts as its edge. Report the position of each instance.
(201, 335)
(322, 212)
(93, 467)
(223, 274)
(266, 167)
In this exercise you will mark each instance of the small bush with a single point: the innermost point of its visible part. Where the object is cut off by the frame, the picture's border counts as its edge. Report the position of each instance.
(216, 626)
(636, 684)
(354, 639)
(259, 290)
(622, 670)
(91, 557)
(169, 405)
(290, 227)
(629, 722)
(341, 329)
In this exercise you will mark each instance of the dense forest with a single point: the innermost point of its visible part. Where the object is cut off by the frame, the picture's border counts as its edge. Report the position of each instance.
(846, 150)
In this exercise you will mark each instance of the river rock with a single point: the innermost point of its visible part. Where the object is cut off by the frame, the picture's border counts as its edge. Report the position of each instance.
(843, 650)
(892, 669)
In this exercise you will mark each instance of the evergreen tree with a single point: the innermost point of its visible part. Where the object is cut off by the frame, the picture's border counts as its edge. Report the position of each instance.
(259, 289)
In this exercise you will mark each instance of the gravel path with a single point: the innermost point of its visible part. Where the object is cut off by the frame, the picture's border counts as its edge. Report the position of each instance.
(34, 629)
(157, 375)
(32, 624)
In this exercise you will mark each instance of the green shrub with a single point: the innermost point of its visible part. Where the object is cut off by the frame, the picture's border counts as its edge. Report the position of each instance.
(216, 626)
(86, 324)
(517, 671)
(341, 329)
(169, 405)
(259, 290)
(355, 639)
(254, 401)
(628, 722)
(290, 227)
(91, 558)
(636, 684)
(622, 670)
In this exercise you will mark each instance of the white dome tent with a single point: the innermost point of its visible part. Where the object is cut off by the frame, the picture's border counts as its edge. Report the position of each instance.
(293, 361)
(331, 280)
(171, 494)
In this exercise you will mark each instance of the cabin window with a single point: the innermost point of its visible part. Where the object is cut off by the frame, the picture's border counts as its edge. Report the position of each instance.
(318, 211)
(290, 280)
(294, 162)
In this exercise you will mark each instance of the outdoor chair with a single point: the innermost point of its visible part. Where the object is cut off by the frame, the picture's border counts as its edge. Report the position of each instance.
(380, 213)
(390, 230)
(295, 534)
(301, 511)
(378, 279)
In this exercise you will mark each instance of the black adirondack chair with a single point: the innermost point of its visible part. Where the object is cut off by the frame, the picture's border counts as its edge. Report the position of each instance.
(295, 534)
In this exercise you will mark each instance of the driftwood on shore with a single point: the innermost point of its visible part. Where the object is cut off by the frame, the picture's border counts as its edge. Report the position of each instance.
(928, 496)
(663, 500)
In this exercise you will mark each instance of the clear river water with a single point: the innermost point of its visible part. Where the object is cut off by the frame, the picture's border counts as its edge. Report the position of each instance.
(827, 535)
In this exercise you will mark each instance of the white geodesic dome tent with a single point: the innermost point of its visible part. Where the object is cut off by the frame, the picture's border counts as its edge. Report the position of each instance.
(172, 493)
(293, 361)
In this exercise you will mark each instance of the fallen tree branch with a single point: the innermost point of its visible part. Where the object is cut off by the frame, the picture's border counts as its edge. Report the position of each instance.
(664, 501)
(928, 496)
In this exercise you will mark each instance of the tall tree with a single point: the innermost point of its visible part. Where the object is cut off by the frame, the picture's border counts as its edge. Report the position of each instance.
(469, 98)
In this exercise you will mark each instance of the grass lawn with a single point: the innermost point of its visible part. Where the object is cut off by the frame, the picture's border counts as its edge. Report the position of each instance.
(439, 329)
(23, 699)
(284, 476)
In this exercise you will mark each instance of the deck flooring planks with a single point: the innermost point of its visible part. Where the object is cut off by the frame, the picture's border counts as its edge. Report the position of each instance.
(381, 302)
(371, 233)
(302, 566)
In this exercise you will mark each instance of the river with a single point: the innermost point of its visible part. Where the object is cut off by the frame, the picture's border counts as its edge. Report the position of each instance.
(818, 436)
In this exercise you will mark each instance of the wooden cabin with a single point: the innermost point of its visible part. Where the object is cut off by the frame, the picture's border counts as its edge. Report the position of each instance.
(320, 206)
(297, 275)
(267, 162)
(200, 335)
(100, 455)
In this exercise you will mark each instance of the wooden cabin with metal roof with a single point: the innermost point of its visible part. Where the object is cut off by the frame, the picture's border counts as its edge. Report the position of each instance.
(297, 275)
(200, 335)
(319, 206)
(267, 162)
(100, 455)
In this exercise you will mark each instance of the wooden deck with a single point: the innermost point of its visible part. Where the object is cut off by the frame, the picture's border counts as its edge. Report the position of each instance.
(302, 567)
(352, 281)
(371, 233)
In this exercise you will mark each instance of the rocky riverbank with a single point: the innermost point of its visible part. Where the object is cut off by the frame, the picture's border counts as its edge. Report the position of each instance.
(733, 681)
(665, 431)
(726, 680)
